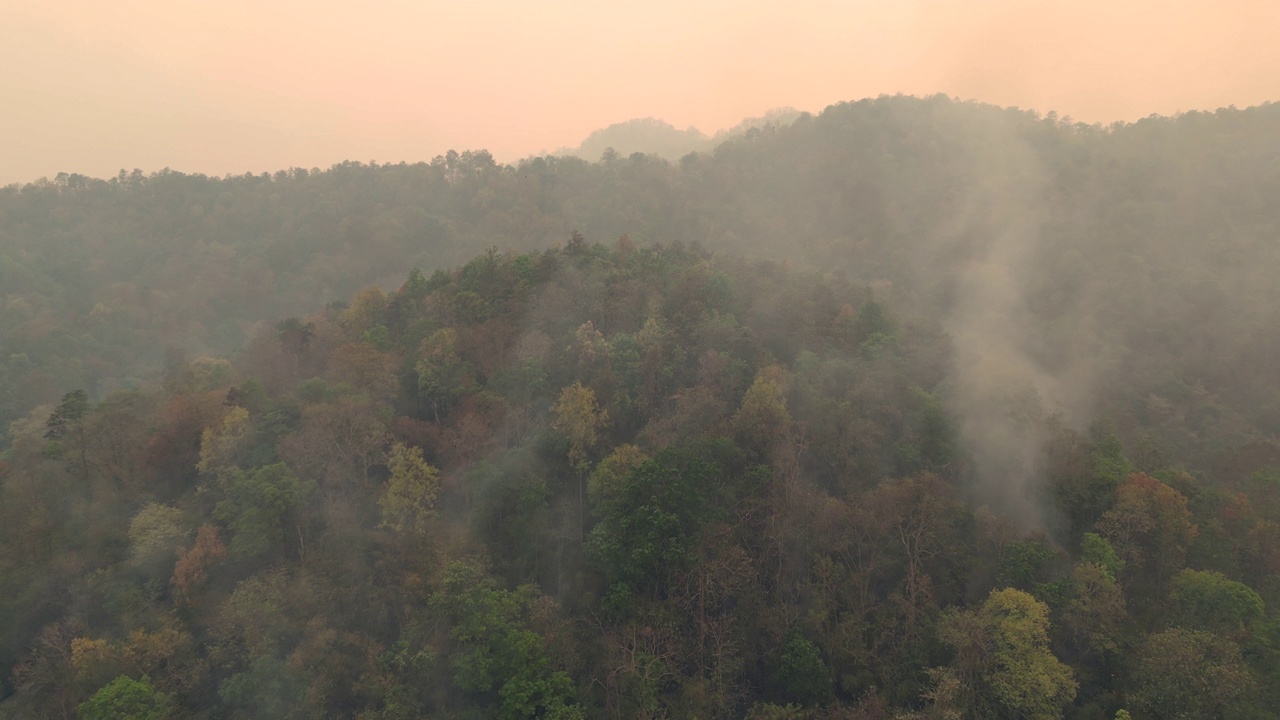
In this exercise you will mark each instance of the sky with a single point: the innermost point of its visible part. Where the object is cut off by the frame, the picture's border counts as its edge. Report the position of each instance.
(234, 86)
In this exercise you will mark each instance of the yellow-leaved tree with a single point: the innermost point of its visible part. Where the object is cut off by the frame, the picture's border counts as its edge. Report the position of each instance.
(763, 420)
(222, 446)
(409, 501)
(1003, 662)
(579, 418)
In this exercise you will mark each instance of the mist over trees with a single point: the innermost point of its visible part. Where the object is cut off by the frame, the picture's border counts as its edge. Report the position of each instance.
(914, 408)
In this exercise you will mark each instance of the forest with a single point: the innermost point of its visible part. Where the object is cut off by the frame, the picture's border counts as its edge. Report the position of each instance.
(912, 409)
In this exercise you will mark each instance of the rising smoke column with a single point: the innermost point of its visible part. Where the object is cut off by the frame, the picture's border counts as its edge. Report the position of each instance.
(1004, 387)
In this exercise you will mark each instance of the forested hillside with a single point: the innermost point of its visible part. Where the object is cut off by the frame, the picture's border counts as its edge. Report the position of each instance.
(637, 482)
(911, 409)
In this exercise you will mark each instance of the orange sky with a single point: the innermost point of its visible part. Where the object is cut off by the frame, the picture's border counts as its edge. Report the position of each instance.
(221, 86)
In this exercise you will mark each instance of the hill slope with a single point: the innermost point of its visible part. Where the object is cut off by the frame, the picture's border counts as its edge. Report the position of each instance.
(637, 482)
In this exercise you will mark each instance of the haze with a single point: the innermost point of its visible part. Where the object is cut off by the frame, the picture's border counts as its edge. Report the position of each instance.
(239, 86)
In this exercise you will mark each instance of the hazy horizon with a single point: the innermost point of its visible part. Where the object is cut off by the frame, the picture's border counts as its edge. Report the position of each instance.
(254, 87)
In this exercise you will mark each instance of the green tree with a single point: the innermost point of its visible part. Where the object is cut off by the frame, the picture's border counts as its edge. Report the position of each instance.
(1096, 550)
(127, 699)
(295, 335)
(1182, 674)
(1024, 564)
(67, 426)
(259, 507)
(416, 286)
(266, 688)
(609, 477)
(1094, 614)
(72, 409)
(801, 673)
(1085, 479)
(872, 321)
(495, 656)
(443, 375)
(651, 530)
(1209, 600)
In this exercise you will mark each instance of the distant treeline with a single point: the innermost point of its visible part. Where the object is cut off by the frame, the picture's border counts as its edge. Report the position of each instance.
(1155, 242)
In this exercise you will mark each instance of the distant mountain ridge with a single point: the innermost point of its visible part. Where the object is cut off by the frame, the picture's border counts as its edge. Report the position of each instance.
(653, 136)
